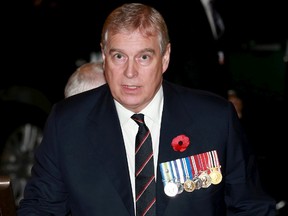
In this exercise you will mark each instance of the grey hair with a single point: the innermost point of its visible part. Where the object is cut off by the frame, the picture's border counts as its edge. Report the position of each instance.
(136, 16)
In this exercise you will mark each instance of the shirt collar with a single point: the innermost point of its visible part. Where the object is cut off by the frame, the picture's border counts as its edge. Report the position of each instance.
(153, 111)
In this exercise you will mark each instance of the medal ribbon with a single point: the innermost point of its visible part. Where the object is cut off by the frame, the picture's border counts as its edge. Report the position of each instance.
(175, 171)
(165, 172)
(180, 169)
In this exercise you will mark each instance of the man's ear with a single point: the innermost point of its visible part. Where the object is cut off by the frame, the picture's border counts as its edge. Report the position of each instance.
(103, 55)
(166, 58)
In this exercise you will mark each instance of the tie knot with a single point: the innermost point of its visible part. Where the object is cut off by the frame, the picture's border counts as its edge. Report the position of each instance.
(138, 118)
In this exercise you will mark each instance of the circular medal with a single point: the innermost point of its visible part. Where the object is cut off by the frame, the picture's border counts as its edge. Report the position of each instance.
(206, 179)
(189, 185)
(171, 189)
(180, 187)
(198, 183)
(216, 176)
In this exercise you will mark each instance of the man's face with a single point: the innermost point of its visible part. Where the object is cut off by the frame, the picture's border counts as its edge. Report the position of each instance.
(134, 67)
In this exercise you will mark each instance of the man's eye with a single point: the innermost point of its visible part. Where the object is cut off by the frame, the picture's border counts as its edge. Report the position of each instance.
(118, 56)
(145, 57)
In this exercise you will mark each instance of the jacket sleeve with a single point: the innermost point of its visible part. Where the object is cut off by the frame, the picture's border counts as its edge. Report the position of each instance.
(45, 193)
(244, 194)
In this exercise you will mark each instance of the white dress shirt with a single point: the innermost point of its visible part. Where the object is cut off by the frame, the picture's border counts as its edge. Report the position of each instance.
(152, 117)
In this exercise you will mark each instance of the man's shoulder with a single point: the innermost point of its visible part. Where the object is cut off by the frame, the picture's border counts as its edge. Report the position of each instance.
(193, 98)
(170, 87)
(84, 101)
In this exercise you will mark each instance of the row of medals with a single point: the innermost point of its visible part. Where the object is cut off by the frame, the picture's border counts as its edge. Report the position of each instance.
(204, 180)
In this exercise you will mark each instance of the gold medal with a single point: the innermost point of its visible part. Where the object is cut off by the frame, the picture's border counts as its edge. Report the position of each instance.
(216, 176)
(189, 185)
(206, 179)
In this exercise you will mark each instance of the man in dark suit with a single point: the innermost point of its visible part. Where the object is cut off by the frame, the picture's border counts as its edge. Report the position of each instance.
(85, 164)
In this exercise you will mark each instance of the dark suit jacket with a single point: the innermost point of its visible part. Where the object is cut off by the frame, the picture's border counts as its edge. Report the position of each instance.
(81, 163)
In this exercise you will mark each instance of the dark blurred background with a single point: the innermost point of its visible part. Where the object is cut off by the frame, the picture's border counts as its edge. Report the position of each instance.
(44, 41)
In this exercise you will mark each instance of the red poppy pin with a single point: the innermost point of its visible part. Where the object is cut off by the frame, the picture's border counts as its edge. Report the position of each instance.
(180, 143)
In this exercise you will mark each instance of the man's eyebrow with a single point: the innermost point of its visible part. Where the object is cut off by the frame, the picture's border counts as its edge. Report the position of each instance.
(150, 50)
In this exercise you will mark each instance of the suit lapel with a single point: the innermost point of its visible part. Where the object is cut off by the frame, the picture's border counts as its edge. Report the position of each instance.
(175, 121)
(107, 140)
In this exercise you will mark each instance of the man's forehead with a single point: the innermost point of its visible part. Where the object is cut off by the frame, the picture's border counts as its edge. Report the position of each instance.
(132, 43)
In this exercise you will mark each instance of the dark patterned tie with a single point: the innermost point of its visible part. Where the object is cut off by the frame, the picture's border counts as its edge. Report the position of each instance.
(144, 170)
